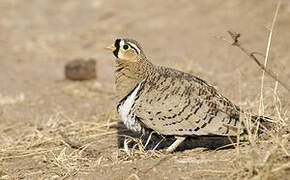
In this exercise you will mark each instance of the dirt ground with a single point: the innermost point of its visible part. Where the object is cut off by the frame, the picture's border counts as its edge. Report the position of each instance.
(40, 110)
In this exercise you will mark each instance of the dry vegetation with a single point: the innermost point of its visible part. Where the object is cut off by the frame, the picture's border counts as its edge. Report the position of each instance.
(52, 128)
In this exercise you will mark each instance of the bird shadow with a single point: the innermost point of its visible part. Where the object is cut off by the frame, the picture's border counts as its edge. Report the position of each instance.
(159, 142)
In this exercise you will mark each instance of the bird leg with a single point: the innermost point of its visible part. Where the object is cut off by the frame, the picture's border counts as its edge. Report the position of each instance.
(176, 143)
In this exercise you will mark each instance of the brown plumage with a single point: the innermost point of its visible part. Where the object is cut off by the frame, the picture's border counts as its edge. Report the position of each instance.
(169, 101)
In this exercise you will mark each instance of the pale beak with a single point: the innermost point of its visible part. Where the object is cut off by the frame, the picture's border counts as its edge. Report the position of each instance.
(111, 47)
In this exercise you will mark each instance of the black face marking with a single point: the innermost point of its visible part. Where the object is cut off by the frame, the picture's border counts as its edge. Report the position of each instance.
(117, 45)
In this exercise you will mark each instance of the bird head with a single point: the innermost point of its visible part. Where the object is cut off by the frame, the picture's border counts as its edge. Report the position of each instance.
(126, 49)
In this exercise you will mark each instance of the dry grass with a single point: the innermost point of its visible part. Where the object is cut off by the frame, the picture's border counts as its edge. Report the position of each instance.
(61, 147)
(277, 156)
(46, 143)
(263, 157)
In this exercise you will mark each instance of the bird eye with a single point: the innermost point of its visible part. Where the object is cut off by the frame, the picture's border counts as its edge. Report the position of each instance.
(125, 47)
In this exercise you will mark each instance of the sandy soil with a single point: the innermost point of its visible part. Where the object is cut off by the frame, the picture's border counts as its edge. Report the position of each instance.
(37, 104)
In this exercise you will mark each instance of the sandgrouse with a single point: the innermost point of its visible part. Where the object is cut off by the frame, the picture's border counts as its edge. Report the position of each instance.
(168, 101)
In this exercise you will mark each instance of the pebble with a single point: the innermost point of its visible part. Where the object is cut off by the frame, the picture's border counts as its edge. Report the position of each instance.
(80, 69)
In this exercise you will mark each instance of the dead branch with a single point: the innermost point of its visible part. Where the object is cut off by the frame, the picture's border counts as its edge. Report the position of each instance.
(66, 139)
(235, 37)
(83, 148)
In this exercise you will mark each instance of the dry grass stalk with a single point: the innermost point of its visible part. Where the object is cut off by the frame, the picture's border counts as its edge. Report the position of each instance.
(138, 151)
(235, 36)
(46, 141)
(249, 167)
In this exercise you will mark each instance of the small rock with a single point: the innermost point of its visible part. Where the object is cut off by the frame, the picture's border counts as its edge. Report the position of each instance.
(80, 69)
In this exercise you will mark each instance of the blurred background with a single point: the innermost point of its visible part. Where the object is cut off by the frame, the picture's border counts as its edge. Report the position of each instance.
(37, 39)
(181, 34)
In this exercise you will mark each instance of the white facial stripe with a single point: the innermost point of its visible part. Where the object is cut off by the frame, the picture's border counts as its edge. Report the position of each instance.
(122, 42)
(135, 47)
(120, 55)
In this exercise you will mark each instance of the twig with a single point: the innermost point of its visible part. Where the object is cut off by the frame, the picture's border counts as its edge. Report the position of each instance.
(235, 36)
(66, 139)
(83, 148)
(158, 162)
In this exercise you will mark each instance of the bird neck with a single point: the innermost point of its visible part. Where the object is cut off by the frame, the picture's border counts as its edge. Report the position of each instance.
(128, 74)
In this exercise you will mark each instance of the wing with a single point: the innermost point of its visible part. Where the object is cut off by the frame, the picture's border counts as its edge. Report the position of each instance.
(176, 103)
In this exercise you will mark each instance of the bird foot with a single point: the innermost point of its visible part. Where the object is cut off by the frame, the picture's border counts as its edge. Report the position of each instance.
(176, 143)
